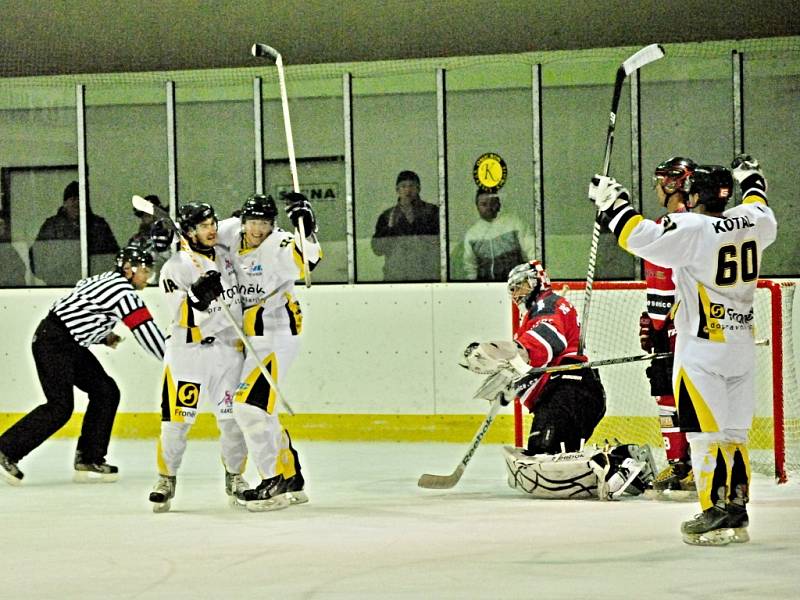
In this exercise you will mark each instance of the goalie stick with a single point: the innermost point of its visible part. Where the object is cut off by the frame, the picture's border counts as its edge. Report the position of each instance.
(148, 207)
(636, 61)
(264, 51)
(445, 482)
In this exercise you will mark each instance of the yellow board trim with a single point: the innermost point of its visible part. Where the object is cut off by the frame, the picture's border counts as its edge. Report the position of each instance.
(394, 428)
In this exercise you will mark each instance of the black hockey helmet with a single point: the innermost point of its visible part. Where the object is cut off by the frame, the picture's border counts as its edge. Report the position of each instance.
(673, 174)
(259, 206)
(194, 213)
(714, 186)
(532, 273)
(137, 254)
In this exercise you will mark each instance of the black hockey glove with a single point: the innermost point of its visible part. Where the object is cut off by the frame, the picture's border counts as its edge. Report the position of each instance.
(298, 208)
(161, 235)
(203, 291)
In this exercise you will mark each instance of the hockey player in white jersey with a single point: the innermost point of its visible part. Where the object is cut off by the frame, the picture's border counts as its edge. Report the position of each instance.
(268, 261)
(715, 255)
(204, 354)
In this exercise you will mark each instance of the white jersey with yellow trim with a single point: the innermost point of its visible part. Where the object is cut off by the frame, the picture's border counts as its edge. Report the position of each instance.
(190, 325)
(267, 275)
(715, 262)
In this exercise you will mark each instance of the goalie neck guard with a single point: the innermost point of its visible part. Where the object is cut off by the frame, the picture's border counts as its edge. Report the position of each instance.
(526, 282)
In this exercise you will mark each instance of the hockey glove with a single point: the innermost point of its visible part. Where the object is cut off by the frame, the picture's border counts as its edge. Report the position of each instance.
(607, 194)
(161, 235)
(298, 209)
(645, 329)
(203, 291)
(747, 173)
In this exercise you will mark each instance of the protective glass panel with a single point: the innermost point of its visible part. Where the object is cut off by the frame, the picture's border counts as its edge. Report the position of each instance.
(316, 117)
(576, 98)
(489, 112)
(126, 125)
(395, 130)
(39, 237)
(772, 135)
(214, 123)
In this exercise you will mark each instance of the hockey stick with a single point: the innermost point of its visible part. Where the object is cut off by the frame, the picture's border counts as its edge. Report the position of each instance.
(445, 482)
(148, 207)
(264, 51)
(636, 61)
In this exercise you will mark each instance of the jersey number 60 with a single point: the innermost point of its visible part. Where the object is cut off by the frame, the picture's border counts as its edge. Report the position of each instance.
(731, 260)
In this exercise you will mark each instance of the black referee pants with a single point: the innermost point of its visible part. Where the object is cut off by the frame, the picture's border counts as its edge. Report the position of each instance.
(62, 363)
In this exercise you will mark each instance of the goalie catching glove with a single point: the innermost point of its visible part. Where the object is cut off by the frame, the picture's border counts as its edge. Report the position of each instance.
(486, 358)
(205, 290)
(298, 209)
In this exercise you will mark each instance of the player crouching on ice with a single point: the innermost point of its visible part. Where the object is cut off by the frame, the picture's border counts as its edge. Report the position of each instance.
(567, 405)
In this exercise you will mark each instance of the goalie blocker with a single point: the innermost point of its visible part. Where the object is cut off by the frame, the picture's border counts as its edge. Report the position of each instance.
(591, 472)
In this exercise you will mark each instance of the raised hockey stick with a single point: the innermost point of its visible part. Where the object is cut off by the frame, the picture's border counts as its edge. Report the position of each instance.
(445, 482)
(148, 207)
(264, 51)
(636, 61)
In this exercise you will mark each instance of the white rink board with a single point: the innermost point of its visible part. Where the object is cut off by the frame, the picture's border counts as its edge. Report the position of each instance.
(367, 349)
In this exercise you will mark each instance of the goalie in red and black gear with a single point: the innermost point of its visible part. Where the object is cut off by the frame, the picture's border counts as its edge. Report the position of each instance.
(567, 406)
(671, 181)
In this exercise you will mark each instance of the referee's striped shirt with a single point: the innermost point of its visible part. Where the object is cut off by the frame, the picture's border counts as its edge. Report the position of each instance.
(98, 303)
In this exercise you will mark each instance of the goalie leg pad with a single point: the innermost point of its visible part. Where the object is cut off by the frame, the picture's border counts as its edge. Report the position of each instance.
(567, 475)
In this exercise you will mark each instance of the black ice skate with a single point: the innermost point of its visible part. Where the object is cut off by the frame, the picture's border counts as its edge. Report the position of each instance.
(709, 528)
(235, 487)
(162, 493)
(10, 471)
(738, 522)
(94, 471)
(295, 489)
(269, 495)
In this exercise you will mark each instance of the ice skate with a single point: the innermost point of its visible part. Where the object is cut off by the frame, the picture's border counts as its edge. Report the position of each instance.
(9, 471)
(94, 471)
(295, 489)
(235, 486)
(162, 493)
(709, 528)
(675, 482)
(269, 495)
(738, 522)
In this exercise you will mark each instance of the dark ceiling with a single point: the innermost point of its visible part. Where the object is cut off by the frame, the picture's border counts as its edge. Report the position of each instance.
(47, 37)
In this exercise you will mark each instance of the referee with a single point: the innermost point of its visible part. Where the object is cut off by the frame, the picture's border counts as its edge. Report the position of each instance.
(86, 316)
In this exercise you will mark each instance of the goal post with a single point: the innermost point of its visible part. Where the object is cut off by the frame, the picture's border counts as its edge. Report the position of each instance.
(632, 414)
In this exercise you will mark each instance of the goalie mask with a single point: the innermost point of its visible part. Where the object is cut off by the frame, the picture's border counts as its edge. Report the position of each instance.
(526, 282)
(713, 185)
(259, 206)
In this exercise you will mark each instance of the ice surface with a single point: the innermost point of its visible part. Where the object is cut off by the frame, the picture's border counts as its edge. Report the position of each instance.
(369, 532)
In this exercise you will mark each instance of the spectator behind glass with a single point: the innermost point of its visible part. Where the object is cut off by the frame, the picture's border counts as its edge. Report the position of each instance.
(12, 271)
(65, 225)
(142, 237)
(495, 244)
(407, 235)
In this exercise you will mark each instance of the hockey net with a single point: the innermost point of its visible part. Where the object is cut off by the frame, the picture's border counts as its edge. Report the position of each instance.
(631, 415)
